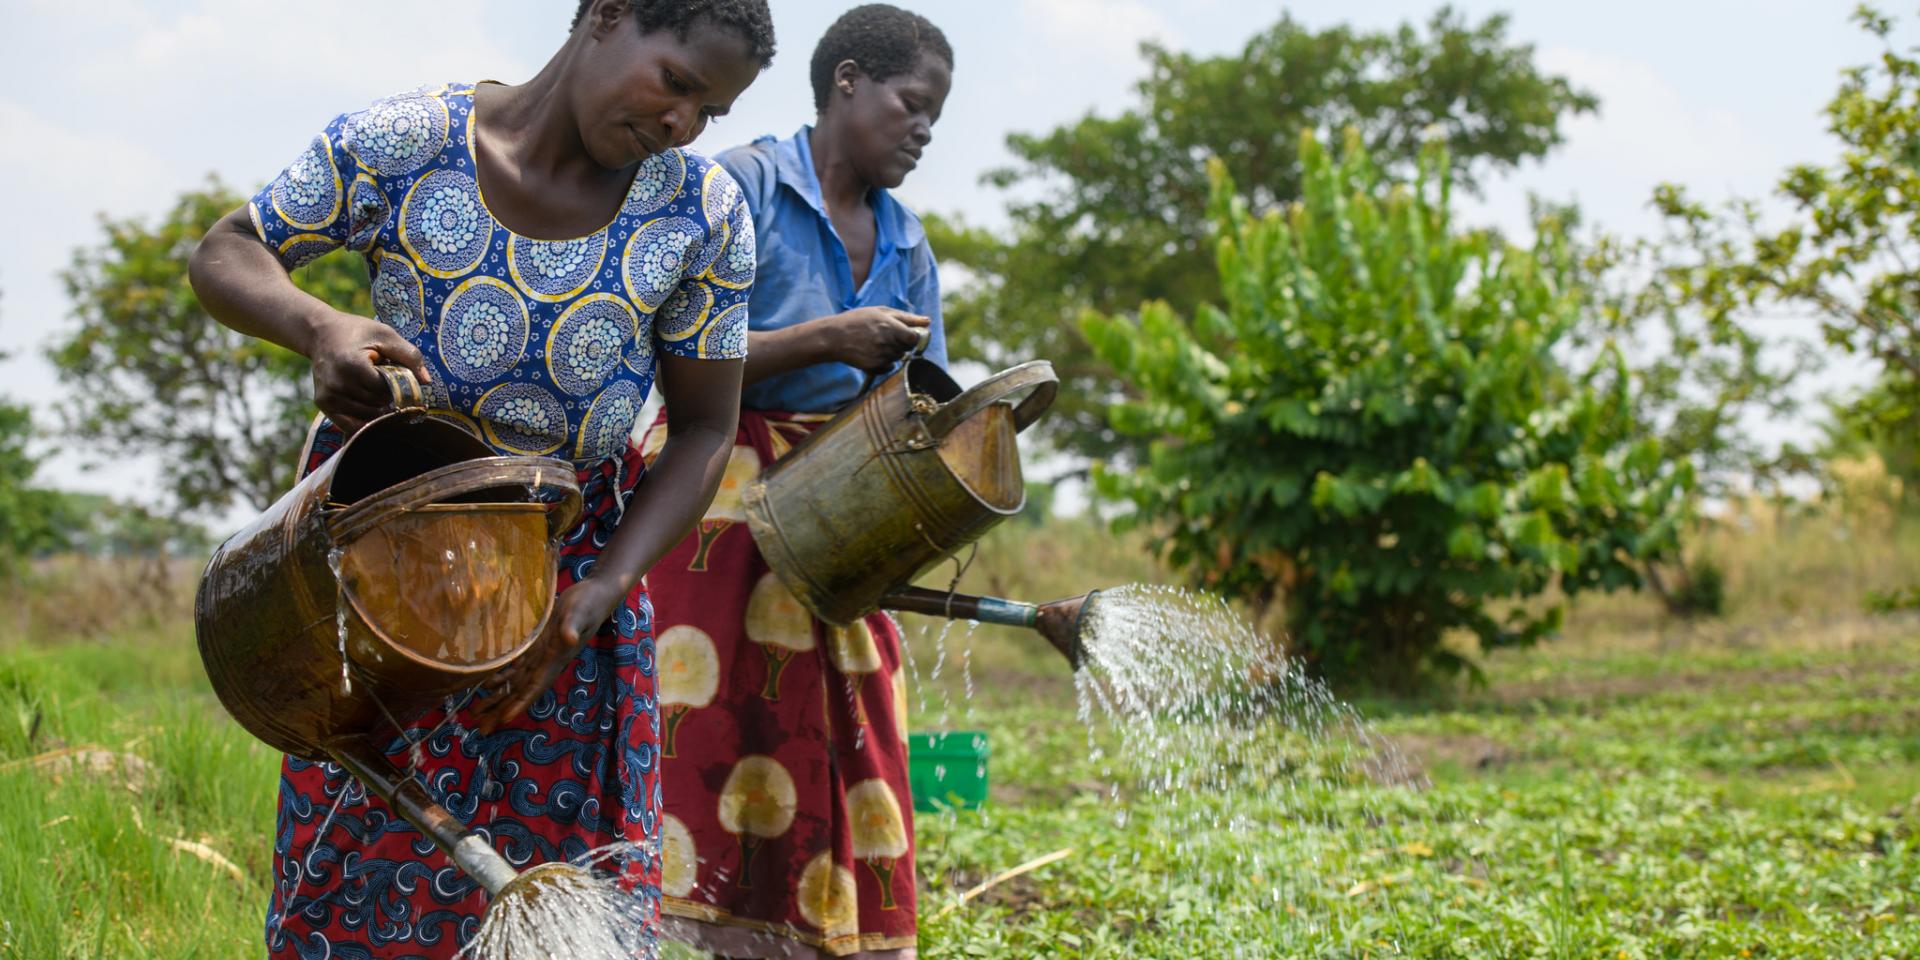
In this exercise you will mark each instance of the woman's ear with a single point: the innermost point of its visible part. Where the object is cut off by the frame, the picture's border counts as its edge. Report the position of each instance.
(845, 74)
(603, 16)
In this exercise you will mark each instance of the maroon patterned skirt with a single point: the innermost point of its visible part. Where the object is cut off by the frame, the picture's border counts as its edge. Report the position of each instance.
(789, 825)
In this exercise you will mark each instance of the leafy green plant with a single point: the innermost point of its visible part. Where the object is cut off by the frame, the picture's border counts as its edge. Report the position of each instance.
(1113, 209)
(29, 514)
(1700, 592)
(1893, 601)
(1380, 428)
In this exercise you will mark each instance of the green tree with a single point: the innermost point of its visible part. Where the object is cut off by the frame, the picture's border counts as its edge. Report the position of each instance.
(1121, 218)
(30, 516)
(1699, 384)
(1849, 254)
(107, 527)
(1381, 427)
(1880, 420)
(151, 373)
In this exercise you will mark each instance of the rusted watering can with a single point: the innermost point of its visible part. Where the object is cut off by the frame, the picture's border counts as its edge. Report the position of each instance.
(912, 471)
(412, 564)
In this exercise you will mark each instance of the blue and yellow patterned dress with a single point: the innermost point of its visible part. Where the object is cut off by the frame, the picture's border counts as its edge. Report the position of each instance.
(542, 347)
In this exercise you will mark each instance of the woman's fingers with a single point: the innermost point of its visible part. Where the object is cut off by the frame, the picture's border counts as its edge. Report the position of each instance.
(395, 348)
(910, 331)
(347, 412)
(513, 703)
(534, 672)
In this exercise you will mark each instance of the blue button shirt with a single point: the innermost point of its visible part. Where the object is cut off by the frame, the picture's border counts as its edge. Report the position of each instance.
(804, 273)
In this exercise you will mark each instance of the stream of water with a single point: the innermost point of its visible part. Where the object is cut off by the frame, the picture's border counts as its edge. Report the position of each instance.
(1235, 767)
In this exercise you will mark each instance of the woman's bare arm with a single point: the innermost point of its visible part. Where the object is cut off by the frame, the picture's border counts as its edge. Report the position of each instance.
(242, 284)
(703, 410)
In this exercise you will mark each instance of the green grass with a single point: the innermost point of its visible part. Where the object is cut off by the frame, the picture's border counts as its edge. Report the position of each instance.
(1637, 789)
(86, 867)
(1700, 804)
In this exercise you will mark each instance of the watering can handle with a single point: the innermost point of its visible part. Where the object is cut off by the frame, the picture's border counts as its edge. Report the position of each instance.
(464, 477)
(1036, 376)
(404, 386)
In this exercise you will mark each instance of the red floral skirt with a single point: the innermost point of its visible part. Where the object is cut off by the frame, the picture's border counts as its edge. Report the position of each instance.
(789, 825)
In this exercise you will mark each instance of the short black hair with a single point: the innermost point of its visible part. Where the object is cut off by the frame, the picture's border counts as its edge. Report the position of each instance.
(749, 19)
(883, 39)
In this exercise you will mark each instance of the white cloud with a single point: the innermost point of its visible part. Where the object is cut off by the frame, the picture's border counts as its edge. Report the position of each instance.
(1647, 127)
(39, 156)
(1649, 130)
(1108, 30)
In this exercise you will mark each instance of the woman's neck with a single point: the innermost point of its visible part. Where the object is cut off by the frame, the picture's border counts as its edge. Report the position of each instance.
(841, 187)
(533, 126)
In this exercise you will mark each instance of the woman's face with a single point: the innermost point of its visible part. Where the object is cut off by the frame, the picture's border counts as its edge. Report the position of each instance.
(890, 122)
(637, 94)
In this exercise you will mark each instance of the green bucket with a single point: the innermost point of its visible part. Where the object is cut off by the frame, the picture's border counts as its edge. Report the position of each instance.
(947, 770)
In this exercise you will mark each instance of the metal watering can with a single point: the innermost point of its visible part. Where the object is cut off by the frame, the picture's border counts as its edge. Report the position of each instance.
(412, 564)
(911, 472)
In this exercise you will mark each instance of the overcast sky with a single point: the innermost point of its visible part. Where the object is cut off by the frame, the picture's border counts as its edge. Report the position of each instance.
(118, 105)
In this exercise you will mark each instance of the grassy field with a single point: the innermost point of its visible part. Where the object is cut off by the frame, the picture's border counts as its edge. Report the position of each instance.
(1639, 788)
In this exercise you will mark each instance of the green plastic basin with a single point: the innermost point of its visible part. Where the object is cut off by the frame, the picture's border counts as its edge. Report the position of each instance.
(947, 770)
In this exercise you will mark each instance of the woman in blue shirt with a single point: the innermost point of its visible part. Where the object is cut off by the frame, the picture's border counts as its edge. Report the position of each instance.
(788, 829)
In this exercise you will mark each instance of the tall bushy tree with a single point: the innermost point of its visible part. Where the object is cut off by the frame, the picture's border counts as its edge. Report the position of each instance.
(30, 515)
(152, 373)
(1848, 256)
(1122, 218)
(1700, 382)
(1382, 427)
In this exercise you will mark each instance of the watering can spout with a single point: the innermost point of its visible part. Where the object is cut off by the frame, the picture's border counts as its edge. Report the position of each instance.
(468, 850)
(1062, 622)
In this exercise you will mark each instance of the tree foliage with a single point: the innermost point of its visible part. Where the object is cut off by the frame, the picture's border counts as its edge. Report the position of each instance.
(1122, 214)
(1381, 426)
(153, 374)
(1700, 381)
(1849, 255)
(31, 516)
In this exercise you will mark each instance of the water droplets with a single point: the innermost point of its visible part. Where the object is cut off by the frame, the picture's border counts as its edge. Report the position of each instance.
(569, 910)
(1223, 742)
(340, 617)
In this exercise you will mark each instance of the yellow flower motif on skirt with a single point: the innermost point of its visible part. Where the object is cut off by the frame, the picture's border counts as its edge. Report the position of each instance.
(852, 648)
(689, 666)
(900, 703)
(879, 831)
(759, 798)
(743, 467)
(680, 863)
(776, 618)
(827, 895)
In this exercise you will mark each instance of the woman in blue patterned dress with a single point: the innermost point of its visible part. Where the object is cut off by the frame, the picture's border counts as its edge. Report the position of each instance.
(536, 253)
